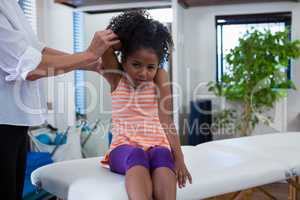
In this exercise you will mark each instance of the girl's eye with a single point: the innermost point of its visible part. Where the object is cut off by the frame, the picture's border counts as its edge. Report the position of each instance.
(135, 64)
(151, 67)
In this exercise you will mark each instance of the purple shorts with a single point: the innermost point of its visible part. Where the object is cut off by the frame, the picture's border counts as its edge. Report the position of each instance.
(126, 156)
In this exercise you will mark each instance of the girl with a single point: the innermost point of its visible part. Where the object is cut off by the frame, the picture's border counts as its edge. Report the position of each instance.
(145, 145)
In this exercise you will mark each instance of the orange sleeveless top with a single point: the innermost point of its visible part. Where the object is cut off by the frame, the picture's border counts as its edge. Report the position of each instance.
(135, 119)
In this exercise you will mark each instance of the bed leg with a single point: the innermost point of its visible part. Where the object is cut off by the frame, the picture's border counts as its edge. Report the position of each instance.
(229, 196)
(248, 194)
(298, 188)
(298, 191)
(266, 193)
(291, 191)
(245, 194)
(294, 186)
(234, 195)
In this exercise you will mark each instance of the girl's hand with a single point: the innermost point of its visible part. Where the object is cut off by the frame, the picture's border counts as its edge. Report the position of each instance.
(182, 173)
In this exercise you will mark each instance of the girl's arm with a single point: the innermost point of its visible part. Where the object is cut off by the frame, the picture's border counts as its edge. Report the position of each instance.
(166, 112)
(166, 119)
(110, 68)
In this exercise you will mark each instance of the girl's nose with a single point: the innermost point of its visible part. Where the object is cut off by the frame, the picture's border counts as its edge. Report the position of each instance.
(142, 73)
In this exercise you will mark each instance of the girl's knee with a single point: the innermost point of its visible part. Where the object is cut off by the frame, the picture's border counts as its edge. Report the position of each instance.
(137, 153)
(161, 157)
(161, 153)
(136, 157)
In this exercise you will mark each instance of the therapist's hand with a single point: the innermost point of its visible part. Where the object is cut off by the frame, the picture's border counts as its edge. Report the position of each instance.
(117, 46)
(95, 67)
(101, 42)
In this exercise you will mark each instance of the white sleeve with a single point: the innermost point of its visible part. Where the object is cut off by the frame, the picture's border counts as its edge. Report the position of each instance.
(40, 46)
(17, 56)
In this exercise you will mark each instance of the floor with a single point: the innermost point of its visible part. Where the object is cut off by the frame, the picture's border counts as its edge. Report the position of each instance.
(278, 190)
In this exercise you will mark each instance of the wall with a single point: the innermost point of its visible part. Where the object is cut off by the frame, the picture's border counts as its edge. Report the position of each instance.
(55, 30)
(98, 90)
(199, 60)
(100, 103)
(178, 58)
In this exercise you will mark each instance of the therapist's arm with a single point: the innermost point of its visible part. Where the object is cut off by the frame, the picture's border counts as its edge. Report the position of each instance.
(21, 59)
(52, 65)
(53, 52)
(94, 67)
(55, 62)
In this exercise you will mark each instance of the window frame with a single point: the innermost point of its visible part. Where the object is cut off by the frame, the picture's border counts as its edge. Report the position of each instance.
(258, 18)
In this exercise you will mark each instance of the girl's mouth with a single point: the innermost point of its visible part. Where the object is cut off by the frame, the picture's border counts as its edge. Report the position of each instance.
(139, 80)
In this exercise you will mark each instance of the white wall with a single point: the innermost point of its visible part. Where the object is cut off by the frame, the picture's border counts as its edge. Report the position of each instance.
(100, 103)
(55, 30)
(98, 90)
(199, 59)
(178, 58)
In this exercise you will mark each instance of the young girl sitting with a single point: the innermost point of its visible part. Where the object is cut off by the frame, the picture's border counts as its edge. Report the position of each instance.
(145, 145)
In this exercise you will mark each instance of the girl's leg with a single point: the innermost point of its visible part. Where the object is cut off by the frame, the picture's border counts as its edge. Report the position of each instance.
(133, 162)
(138, 183)
(164, 184)
(163, 176)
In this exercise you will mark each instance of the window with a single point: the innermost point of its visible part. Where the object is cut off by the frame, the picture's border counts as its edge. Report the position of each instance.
(78, 43)
(29, 8)
(231, 28)
(165, 16)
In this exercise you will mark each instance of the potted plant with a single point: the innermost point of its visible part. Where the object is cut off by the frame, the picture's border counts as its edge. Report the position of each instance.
(257, 76)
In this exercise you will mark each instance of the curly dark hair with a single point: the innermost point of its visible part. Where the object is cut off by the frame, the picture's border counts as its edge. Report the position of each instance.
(136, 29)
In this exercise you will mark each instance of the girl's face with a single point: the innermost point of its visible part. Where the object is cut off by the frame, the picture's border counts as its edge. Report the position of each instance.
(141, 65)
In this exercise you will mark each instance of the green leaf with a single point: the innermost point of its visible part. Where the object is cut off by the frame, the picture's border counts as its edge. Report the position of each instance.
(256, 73)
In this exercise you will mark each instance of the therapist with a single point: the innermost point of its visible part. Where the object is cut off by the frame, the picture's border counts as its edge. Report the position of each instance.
(23, 61)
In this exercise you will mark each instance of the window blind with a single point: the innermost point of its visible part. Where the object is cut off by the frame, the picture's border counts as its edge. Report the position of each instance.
(78, 43)
(29, 8)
